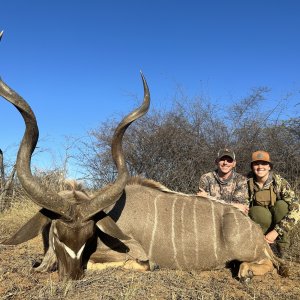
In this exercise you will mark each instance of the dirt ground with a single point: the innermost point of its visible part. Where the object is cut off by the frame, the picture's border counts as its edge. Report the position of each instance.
(18, 281)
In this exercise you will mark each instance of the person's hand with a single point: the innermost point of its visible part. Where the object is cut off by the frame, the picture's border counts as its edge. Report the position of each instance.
(242, 207)
(271, 236)
(202, 193)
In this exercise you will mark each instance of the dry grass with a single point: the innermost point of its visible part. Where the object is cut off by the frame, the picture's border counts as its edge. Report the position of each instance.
(17, 281)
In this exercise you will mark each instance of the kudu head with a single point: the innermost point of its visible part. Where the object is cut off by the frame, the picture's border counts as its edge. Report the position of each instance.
(70, 213)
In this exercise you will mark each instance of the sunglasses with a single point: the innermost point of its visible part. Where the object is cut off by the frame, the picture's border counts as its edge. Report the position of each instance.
(227, 158)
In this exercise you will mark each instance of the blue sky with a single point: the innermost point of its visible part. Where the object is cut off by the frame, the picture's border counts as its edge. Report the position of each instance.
(77, 62)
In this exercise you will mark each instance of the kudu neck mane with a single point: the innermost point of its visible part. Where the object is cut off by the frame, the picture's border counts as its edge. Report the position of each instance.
(137, 180)
(72, 186)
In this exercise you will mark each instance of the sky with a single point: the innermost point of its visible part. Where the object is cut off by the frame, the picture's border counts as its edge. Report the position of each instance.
(78, 62)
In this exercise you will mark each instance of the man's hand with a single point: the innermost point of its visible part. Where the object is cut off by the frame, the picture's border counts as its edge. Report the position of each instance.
(202, 193)
(242, 207)
(271, 236)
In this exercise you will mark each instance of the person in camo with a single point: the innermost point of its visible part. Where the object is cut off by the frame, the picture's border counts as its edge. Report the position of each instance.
(224, 183)
(273, 204)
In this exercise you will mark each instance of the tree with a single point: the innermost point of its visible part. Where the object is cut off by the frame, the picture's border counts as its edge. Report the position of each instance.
(175, 147)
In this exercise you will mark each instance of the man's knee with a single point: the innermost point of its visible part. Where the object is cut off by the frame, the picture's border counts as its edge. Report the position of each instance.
(261, 216)
(280, 210)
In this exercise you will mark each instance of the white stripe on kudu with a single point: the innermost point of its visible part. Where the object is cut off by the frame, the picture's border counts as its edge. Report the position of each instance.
(196, 232)
(174, 221)
(154, 227)
(183, 233)
(214, 237)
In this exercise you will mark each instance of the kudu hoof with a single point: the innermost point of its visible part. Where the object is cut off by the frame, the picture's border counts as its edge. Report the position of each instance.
(247, 279)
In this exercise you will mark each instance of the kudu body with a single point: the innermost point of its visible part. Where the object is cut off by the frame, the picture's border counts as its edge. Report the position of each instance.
(187, 232)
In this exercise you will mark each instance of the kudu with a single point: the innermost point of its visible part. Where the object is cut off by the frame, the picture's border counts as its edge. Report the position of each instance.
(134, 219)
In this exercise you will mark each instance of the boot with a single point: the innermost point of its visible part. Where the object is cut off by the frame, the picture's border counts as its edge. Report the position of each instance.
(283, 244)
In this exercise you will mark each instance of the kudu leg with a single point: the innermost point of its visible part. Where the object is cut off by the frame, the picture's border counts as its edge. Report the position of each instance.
(128, 264)
(249, 269)
(111, 259)
(49, 262)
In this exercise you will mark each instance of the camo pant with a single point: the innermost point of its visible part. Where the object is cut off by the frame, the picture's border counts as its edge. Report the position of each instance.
(267, 218)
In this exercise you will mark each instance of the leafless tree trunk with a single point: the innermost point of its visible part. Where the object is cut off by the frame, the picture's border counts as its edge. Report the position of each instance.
(5, 199)
(5, 185)
(2, 180)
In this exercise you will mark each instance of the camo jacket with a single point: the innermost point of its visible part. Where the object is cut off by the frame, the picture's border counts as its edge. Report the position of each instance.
(284, 192)
(233, 189)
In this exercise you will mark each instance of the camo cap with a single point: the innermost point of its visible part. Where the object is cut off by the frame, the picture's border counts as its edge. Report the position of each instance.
(261, 155)
(226, 152)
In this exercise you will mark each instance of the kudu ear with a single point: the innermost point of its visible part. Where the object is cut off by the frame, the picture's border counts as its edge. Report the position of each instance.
(109, 226)
(31, 229)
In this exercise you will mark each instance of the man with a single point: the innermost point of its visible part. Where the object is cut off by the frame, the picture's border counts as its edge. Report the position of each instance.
(273, 204)
(224, 183)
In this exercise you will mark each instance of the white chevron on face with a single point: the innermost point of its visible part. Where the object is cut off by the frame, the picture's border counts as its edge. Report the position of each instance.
(72, 253)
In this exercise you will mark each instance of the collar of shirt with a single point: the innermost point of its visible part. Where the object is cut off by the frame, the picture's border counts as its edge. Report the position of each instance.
(224, 181)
